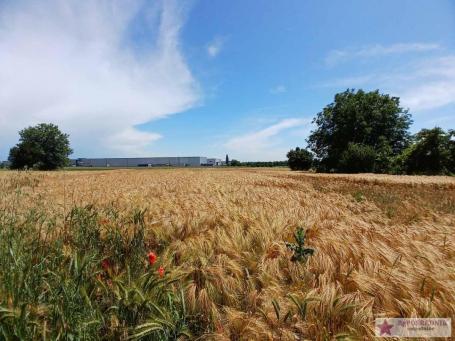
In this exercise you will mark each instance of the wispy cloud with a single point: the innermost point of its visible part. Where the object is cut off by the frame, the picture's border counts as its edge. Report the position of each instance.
(338, 56)
(215, 46)
(279, 89)
(433, 85)
(74, 64)
(263, 144)
(424, 85)
(133, 141)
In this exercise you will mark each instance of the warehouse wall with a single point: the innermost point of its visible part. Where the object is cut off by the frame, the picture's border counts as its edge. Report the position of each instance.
(192, 161)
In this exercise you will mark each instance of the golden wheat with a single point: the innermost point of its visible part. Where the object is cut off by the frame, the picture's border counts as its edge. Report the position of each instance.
(384, 245)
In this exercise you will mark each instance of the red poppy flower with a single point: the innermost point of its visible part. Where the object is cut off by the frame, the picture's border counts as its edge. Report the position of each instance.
(161, 271)
(152, 258)
(105, 264)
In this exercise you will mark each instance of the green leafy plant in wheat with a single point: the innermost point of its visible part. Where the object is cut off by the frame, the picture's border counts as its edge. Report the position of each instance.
(300, 252)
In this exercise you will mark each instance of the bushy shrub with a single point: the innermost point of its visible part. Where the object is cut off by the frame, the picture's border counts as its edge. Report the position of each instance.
(358, 158)
(300, 159)
(452, 151)
(431, 153)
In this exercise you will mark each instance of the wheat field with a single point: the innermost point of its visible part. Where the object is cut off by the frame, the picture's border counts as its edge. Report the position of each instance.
(384, 246)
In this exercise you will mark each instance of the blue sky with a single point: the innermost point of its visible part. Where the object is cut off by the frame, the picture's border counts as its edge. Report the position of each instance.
(215, 77)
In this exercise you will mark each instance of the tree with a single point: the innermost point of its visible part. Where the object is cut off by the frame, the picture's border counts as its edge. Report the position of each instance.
(431, 153)
(235, 163)
(368, 118)
(299, 159)
(42, 147)
(227, 160)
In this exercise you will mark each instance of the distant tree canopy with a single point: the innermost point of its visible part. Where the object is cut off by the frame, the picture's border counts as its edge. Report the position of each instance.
(359, 131)
(299, 159)
(432, 152)
(42, 147)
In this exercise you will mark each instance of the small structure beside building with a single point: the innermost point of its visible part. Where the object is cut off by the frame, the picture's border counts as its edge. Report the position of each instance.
(214, 162)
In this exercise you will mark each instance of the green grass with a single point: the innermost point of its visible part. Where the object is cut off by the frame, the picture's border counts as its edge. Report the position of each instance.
(85, 278)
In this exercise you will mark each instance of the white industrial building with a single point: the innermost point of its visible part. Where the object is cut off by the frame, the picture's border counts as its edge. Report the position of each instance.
(173, 161)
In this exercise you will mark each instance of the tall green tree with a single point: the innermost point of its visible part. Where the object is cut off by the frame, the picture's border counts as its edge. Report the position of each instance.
(363, 118)
(42, 147)
(431, 153)
(299, 159)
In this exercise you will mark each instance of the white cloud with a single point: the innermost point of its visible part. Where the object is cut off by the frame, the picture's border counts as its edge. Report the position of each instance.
(279, 89)
(263, 144)
(422, 86)
(215, 46)
(432, 86)
(133, 142)
(74, 63)
(370, 51)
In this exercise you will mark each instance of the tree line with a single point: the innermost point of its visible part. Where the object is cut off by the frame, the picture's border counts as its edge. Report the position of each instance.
(369, 132)
(236, 163)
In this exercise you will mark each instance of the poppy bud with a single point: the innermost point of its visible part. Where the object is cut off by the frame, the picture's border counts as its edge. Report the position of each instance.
(161, 271)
